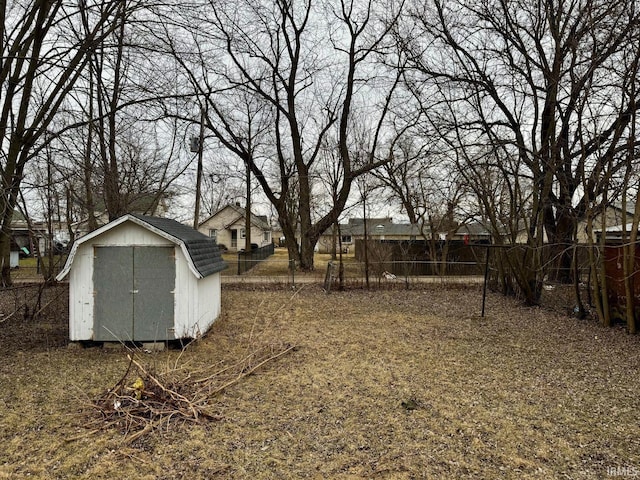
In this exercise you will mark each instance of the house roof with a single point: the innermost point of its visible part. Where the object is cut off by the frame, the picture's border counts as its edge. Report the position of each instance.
(617, 204)
(360, 221)
(616, 228)
(615, 232)
(259, 221)
(201, 252)
(378, 227)
(384, 226)
(473, 228)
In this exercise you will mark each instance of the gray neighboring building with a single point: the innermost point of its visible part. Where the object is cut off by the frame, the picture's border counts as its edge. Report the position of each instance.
(385, 229)
(377, 229)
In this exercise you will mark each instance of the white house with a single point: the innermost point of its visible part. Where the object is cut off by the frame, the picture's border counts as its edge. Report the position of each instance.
(142, 278)
(228, 228)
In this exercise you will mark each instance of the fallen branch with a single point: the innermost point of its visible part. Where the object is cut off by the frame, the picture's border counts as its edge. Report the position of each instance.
(141, 401)
(174, 395)
(249, 372)
(4, 319)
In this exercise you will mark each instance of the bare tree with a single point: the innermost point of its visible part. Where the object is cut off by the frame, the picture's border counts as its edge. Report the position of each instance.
(404, 172)
(138, 148)
(43, 49)
(423, 178)
(541, 84)
(630, 188)
(118, 152)
(306, 68)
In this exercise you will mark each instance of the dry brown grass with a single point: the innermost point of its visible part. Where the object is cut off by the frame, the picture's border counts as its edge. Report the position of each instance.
(385, 384)
(277, 266)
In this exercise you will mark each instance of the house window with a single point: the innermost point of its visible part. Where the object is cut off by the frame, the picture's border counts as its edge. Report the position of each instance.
(346, 238)
(213, 234)
(266, 236)
(243, 233)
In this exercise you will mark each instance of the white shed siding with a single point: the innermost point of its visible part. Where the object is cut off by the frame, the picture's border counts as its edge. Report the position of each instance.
(129, 234)
(195, 316)
(81, 295)
(186, 289)
(200, 301)
(208, 304)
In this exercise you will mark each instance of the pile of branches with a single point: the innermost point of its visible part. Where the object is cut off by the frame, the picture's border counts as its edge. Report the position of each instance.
(141, 401)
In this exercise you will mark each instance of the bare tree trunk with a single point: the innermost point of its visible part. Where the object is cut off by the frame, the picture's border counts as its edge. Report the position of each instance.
(334, 233)
(341, 262)
(602, 274)
(196, 211)
(597, 286)
(630, 248)
(580, 313)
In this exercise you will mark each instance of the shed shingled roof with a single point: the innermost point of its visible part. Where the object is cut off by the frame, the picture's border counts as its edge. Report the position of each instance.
(203, 250)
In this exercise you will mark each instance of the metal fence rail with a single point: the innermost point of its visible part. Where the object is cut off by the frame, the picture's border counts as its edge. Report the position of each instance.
(248, 260)
(260, 265)
(354, 274)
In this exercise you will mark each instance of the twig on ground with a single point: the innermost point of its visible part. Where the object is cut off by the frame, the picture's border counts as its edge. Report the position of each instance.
(141, 401)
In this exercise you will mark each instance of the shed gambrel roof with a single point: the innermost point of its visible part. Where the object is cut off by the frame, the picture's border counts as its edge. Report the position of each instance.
(201, 252)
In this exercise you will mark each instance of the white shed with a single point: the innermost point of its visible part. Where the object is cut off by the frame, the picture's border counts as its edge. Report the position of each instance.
(142, 279)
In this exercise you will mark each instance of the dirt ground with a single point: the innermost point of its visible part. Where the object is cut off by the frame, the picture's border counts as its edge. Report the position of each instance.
(383, 384)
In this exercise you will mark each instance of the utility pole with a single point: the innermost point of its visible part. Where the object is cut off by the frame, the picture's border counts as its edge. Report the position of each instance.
(48, 270)
(363, 192)
(366, 239)
(198, 147)
(247, 222)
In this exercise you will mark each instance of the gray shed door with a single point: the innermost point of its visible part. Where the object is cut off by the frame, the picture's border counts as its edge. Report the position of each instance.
(133, 289)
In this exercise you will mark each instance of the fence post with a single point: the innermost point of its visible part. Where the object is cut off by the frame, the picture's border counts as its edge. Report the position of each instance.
(292, 268)
(328, 278)
(486, 276)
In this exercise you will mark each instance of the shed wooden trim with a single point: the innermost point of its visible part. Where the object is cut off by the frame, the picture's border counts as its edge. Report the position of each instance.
(143, 222)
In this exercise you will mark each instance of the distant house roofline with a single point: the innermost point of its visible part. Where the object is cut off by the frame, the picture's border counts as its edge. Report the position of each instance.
(259, 221)
(385, 226)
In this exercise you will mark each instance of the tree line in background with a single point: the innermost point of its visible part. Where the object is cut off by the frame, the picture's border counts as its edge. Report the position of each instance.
(519, 114)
